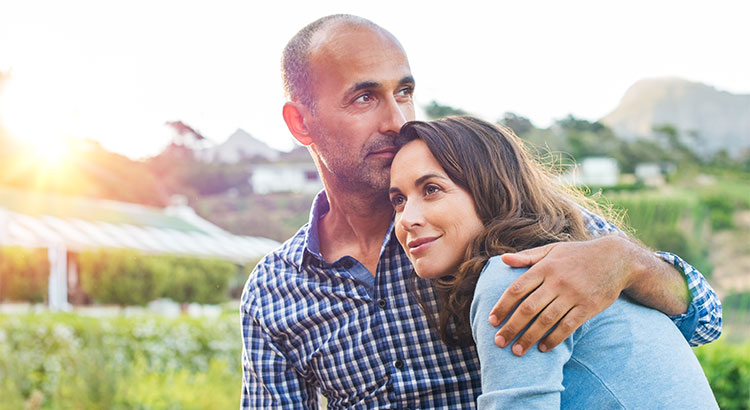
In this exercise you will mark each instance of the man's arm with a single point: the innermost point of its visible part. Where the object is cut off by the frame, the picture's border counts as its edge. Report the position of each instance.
(268, 378)
(571, 282)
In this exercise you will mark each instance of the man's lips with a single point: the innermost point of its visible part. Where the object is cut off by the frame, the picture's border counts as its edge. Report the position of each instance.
(390, 151)
(418, 245)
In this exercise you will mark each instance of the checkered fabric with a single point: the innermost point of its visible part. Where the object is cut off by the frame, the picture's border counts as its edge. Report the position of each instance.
(311, 326)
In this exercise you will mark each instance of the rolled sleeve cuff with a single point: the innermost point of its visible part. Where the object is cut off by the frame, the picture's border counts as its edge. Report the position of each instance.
(702, 323)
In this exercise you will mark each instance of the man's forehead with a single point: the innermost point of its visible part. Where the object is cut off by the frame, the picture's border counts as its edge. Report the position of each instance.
(349, 40)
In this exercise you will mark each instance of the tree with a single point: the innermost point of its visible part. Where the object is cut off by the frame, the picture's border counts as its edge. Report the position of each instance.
(520, 125)
(434, 110)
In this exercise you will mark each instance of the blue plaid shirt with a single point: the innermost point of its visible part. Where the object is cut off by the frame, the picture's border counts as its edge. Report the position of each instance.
(311, 326)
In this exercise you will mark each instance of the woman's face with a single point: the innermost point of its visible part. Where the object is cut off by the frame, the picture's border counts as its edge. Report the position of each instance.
(435, 218)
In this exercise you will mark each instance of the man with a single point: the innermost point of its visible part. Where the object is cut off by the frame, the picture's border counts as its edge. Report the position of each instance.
(331, 310)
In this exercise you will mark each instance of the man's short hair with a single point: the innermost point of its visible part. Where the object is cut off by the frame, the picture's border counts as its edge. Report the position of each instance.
(295, 61)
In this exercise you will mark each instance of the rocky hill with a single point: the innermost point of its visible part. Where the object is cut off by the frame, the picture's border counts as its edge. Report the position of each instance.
(707, 119)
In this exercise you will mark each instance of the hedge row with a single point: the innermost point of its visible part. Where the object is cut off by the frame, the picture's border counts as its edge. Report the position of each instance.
(24, 274)
(127, 277)
(123, 277)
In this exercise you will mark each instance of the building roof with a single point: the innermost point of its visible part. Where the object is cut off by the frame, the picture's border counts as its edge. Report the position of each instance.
(38, 219)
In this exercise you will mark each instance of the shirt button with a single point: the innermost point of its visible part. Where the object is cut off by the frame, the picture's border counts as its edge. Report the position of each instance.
(347, 264)
(382, 303)
(399, 364)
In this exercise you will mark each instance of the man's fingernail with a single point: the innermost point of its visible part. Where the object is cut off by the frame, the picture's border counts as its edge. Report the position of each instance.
(494, 320)
(542, 347)
(517, 349)
(500, 340)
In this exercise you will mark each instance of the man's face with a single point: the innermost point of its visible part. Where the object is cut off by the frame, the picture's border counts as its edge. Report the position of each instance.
(363, 93)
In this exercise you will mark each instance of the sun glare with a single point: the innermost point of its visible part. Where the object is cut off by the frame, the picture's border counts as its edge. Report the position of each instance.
(38, 117)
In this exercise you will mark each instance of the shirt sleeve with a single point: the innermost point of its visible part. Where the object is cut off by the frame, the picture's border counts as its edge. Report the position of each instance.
(533, 381)
(269, 379)
(701, 323)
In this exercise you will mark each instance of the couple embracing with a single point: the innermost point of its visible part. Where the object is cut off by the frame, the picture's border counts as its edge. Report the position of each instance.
(442, 267)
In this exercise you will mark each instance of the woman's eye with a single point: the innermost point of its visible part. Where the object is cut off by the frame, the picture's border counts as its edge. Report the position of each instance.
(431, 189)
(397, 201)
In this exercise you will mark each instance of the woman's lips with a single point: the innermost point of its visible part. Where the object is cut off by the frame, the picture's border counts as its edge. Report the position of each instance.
(420, 245)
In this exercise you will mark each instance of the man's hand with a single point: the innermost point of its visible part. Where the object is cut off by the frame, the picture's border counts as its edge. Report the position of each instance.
(567, 284)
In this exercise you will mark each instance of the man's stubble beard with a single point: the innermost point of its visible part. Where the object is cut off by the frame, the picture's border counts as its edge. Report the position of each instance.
(365, 173)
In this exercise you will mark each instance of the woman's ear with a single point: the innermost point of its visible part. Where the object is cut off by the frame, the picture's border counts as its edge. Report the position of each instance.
(294, 116)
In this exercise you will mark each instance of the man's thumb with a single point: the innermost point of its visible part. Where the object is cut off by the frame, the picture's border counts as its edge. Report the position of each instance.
(526, 257)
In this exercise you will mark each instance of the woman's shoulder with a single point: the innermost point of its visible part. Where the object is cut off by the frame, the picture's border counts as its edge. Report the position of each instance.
(496, 276)
(494, 279)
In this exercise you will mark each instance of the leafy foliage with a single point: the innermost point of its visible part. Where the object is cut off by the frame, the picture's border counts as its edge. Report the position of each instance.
(123, 277)
(24, 274)
(198, 280)
(727, 368)
(128, 277)
(62, 361)
(435, 110)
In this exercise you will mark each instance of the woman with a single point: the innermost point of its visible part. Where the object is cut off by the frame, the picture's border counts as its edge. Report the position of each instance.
(464, 192)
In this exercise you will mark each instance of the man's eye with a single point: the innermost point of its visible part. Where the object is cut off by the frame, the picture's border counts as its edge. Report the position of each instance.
(405, 92)
(364, 98)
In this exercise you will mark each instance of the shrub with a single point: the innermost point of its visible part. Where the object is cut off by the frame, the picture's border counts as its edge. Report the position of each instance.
(123, 277)
(720, 211)
(727, 368)
(64, 361)
(24, 274)
(198, 280)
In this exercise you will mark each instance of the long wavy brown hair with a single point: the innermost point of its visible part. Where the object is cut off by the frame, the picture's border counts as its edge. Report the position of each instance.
(518, 200)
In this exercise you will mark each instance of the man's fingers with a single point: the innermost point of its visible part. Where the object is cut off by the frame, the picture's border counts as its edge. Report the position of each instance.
(543, 323)
(524, 314)
(527, 257)
(517, 290)
(569, 324)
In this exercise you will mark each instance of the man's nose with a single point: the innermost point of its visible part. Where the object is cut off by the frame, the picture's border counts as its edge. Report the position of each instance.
(394, 116)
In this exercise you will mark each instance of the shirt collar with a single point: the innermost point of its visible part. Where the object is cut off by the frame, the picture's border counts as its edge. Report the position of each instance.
(320, 207)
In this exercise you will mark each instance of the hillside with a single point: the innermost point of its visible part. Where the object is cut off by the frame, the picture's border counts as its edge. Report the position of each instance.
(718, 119)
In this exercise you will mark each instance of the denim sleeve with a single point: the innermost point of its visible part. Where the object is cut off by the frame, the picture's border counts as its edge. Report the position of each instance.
(269, 379)
(701, 323)
(511, 382)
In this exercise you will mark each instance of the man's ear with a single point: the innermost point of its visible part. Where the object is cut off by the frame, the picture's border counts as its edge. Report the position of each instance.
(294, 116)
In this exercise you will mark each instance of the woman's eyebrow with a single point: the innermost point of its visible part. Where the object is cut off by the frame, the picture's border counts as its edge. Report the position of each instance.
(425, 177)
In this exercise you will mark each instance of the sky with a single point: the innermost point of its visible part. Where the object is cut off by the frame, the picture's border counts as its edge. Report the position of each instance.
(115, 72)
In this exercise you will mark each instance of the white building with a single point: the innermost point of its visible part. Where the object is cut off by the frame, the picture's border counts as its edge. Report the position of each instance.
(595, 171)
(299, 177)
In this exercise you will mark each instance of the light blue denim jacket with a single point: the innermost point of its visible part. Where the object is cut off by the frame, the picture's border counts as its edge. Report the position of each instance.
(627, 357)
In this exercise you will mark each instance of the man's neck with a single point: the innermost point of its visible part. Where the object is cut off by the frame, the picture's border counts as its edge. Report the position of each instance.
(355, 226)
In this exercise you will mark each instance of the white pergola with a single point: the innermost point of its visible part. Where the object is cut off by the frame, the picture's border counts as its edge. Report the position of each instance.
(61, 234)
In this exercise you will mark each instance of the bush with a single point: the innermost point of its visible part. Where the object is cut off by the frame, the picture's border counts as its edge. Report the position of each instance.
(720, 211)
(727, 368)
(198, 280)
(127, 277)
(123, 277)
(64, 361)
(24, 274)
